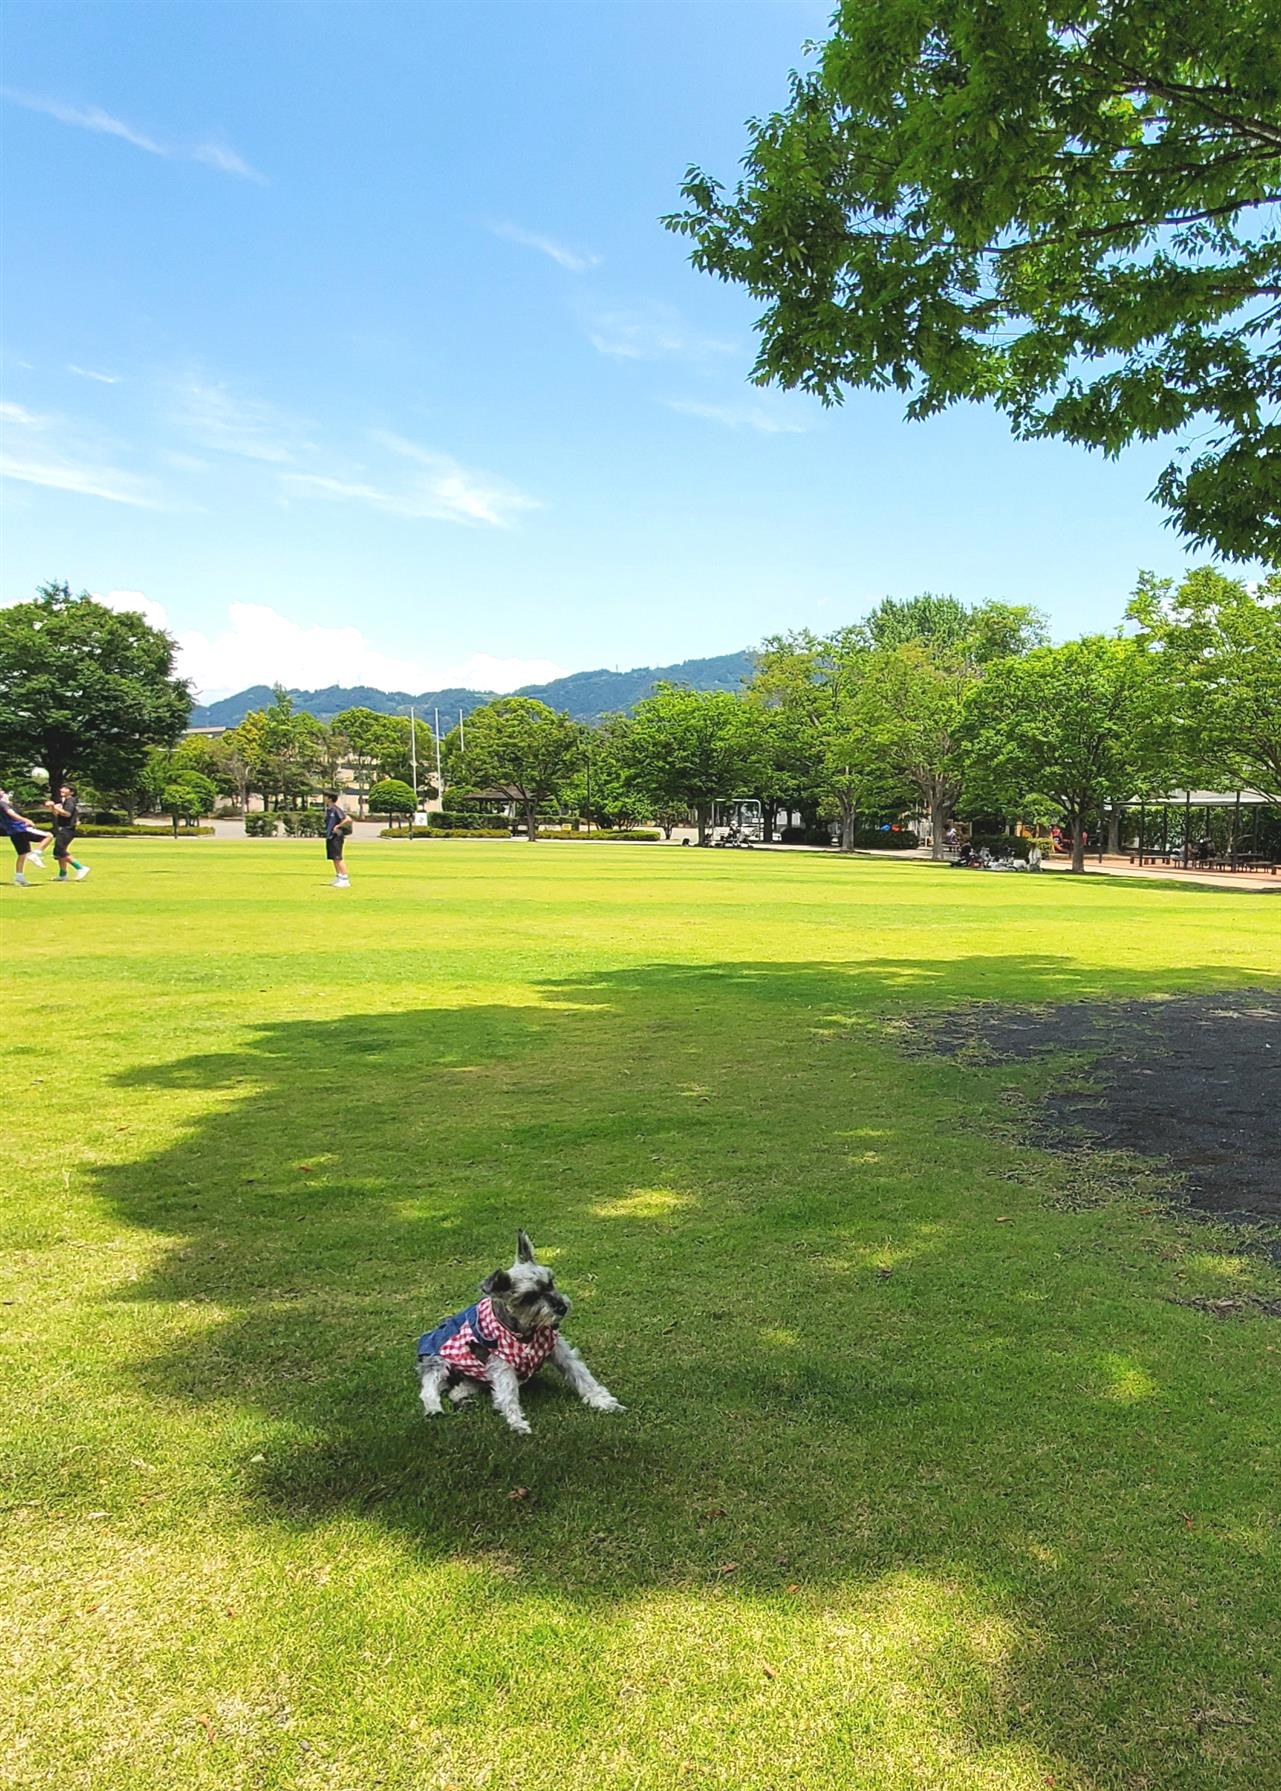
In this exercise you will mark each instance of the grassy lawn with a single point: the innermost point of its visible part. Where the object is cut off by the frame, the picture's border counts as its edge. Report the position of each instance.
(924, 1480)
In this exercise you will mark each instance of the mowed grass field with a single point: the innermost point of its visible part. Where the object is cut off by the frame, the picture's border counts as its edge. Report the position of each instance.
(925, 1480)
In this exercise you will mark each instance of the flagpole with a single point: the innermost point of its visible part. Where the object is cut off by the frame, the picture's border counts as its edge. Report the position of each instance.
(440, 782)
(413, 760)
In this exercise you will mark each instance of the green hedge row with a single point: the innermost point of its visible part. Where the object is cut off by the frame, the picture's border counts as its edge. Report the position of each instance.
(141, 830)
(445, 833)
(305, 823)
(643, 834)
(448, 820)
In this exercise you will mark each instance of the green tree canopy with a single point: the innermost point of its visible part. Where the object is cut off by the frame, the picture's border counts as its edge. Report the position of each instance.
(1074, 723)
(1058, 208)
(1218, 649)
(692, 748)
(370, 738)
(86, 690)
(519, 744)
(391, 796)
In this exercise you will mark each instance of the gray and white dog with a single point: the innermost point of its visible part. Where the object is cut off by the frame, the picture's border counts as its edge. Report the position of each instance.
(503, 1340)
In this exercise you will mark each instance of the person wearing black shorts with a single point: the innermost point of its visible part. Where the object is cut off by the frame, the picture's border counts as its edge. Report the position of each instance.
(28, 839)
(337, 827)
(66, 822)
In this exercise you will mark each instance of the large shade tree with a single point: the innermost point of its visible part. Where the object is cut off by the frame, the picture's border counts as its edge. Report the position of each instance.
(1058, 206)
(1218, 647)
(692, 749)
(519, 744)
(85, 690)
(1079, 723)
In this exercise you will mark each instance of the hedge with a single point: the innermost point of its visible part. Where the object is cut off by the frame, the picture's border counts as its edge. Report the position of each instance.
(1008, 845)
(463, 821)
(445, 833)
(139, 829)
(875, 840)
(636, 834)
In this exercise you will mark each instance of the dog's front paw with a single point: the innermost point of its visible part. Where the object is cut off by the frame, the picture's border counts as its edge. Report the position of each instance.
(604, 1402)
(520, 1427)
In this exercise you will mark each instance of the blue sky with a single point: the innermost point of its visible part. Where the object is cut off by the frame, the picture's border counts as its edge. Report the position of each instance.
(346, 339)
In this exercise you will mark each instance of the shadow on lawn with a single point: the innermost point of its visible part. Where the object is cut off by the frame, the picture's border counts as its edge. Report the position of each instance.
(782, 1240)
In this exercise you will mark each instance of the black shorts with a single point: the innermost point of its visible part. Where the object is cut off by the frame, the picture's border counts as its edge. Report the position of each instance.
(62, 838)
(334, 845)
(24, 843)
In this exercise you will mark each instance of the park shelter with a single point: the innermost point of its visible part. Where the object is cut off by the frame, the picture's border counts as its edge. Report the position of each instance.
(1240, 826)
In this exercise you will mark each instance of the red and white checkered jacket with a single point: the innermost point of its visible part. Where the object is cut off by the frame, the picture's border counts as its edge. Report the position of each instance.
(469, 1340)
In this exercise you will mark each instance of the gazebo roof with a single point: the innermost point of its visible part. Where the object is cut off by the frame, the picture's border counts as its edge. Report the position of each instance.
(1199, 799)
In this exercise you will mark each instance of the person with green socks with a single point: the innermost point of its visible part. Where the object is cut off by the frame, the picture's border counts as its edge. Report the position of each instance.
(66, 813)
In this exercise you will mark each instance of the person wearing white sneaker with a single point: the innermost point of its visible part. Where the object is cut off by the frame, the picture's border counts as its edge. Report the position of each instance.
(66, 819)
(27, 837)
(338, 824)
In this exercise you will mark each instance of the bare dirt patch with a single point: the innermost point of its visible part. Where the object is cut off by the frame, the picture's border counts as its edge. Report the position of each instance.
(1193, 1082)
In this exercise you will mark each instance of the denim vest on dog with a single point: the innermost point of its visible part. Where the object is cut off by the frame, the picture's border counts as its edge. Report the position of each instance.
(468, 1340)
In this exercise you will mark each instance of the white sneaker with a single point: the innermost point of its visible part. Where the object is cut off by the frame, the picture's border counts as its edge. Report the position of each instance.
(83, 872)
(21, 881)
(36, 860)
(342, 882)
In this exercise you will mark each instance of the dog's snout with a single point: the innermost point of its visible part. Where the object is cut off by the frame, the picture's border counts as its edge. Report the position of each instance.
(559, 1304)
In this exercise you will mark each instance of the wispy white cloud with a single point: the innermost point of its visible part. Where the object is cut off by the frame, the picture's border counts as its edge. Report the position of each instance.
(94, 118)
(35, 460)
(575, 261)
(442, 491)
(85, 118)
(14, 413)
(217, 155)
(103, 379)
(740, 416)
(89, 481)
(219, 419)
(257, 644)
(650, 332)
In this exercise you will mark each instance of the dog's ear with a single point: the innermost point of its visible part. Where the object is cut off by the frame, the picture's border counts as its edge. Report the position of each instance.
(498, 1283)
(524, 1249)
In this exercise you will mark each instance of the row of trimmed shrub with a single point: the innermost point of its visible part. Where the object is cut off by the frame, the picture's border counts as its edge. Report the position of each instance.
(1009, 845)
(449, 820)
(445, 833)
(644, 835)
(141, 830)
(304, 823)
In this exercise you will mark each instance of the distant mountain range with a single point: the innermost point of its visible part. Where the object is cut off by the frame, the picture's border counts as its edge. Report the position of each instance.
(584, 695)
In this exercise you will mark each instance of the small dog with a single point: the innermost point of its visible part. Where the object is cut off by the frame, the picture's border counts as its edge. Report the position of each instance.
(504, 1339)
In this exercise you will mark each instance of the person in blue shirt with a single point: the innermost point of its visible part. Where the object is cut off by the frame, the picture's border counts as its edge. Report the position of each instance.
(28, 838)
(337, 827)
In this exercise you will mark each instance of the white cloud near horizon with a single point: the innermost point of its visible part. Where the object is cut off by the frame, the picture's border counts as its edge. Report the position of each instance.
(739, 416)
(259, 645)
(438, 490)
(574, 261)
(102, 123)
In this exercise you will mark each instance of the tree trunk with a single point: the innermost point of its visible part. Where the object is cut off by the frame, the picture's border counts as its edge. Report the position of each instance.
(849, 815)
(938, 826)
(1078, 844)
(767, 822)
(702, 811)
(1114, 831)
(531, 821)
(174, 819)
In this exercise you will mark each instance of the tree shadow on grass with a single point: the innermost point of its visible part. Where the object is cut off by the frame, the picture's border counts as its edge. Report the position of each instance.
(851, 1349)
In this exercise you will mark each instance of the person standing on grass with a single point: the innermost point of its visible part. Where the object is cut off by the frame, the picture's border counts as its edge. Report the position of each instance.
(338, 825)
(28, 839)
(66, 820)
